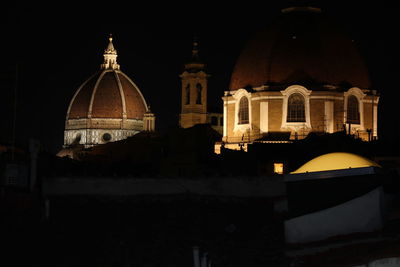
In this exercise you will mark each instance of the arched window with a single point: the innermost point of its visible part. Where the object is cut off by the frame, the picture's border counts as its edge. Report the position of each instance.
(296, 111)
(187, 92)
(198, 98)
(353, 114)
(243, 111)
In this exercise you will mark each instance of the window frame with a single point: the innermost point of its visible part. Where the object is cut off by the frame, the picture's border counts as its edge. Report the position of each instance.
(294, 109)
(237, 97)
(296, 126)
(243, 112)
(353, 110)
(358, 93)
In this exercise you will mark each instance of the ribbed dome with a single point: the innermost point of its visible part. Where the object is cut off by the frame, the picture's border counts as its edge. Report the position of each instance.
(108, 94)
(107, 107)
(302, 45)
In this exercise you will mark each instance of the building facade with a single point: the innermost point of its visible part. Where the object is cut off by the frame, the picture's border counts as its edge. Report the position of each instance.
(301, 75)
(194, 88)
(298, 111)
(194, 92)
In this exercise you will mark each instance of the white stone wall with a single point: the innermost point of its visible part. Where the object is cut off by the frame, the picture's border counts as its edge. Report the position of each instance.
(90, 137)
(362, 214)
(90, 132)
(386, 262)
(325, 111)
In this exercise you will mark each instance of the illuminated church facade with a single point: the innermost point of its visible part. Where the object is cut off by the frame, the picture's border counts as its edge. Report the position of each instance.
(299, 76)
(106, 107)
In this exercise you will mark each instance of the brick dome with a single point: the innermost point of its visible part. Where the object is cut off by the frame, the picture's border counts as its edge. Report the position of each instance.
(107, 94)
(107, 107)
(302, 45)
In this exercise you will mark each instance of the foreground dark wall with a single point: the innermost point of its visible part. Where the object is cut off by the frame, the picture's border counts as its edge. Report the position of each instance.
(148, 231)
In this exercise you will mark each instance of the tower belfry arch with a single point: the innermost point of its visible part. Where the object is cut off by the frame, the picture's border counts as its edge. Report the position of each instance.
(194, 81)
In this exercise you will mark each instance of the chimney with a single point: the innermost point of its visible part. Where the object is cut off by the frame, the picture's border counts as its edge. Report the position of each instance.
(196, 256)
(34, 147)
(204, 260)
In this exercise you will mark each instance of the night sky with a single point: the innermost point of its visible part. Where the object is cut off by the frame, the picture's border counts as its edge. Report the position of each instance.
(57, 47)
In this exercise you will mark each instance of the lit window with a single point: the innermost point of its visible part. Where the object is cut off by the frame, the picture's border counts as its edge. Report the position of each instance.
(296, 111)
(278, 168)
(353, 114)
(244, 111)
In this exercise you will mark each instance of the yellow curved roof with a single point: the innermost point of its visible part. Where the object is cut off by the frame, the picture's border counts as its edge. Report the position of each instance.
(335, 161)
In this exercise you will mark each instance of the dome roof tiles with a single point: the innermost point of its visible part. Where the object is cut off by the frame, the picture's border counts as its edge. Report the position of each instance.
(107, 101)
(300, 46)
(108, 94)
(135, 104)
(79, 106)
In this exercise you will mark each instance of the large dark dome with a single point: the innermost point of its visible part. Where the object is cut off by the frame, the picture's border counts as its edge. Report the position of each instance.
(302, 44)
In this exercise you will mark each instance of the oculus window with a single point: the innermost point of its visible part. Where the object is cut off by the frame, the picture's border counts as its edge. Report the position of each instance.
(106, 137)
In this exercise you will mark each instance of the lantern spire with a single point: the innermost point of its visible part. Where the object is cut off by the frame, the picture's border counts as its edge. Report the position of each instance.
(110, 56)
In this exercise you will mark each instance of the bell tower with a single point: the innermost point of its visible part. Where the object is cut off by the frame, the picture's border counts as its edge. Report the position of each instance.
(194, 91)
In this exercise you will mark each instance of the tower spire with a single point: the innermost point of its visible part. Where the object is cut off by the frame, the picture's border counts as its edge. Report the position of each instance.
(110, 56)
(195, 49)
(195, 64)
(194, 91)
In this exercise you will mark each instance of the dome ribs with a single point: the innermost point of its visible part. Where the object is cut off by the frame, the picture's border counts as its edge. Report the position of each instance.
(107, 101)
(80, 103)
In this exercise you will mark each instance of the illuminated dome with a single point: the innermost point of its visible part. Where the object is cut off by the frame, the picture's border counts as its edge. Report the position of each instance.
(106, 107)
(335, 161)
(302, 45)
(109, 93)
